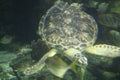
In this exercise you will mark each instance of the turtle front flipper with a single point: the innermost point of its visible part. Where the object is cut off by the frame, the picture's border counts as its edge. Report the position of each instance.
(104, 50)
(40, 64)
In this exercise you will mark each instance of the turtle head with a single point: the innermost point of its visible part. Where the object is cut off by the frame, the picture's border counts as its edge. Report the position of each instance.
(75, 55)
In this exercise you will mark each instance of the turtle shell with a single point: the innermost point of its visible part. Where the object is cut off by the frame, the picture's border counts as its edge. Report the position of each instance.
(67, 26)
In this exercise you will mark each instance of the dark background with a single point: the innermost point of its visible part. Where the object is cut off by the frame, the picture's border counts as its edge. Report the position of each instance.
(21, 17)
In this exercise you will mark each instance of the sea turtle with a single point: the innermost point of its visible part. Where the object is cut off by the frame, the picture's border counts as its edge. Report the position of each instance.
(66, 26)
(68, 30)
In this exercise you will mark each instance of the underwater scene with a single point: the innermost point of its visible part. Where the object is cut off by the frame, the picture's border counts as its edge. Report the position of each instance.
(59, 39)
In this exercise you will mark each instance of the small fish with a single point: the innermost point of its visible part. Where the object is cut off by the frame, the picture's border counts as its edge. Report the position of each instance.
(104, 50)
(58, 67)
(7, 39)
(109, 20)
(102, 7)
(114, 37)
(115, 34)
(24, 50)
(115, 7)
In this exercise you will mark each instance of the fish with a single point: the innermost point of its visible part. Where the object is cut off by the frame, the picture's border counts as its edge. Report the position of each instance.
(58, 67)
(6, 39)
(115, 7)
(114, 37)
(109, 20)
(102, 7)
(24, 50)
(104, 50)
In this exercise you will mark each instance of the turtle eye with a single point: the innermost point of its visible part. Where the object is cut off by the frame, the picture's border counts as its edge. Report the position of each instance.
(75, 57)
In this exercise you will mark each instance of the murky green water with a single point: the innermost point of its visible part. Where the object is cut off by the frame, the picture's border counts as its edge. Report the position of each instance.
(29, 30)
